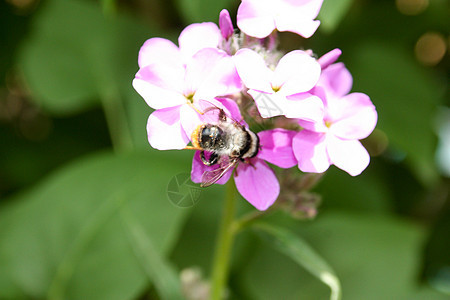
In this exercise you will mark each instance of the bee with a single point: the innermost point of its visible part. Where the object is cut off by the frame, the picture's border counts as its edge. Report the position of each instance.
(228, 143)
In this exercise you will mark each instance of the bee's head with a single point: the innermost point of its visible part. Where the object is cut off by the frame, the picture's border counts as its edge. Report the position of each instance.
(209, 136)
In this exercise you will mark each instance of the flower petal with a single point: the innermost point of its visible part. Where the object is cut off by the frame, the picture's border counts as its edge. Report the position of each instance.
(257, 183)
(305, 28)
(305, 9)
(269, 104)
(225, 24)
(159, 85)
(329, 58)
(198, 168)
(276, 147)
(159, 50)
(255, 18)
(348, 155)
(313, 126)
(211, 73)
(189, 119)
(297, 16)
(357, 117)
(165, 131)
(198, 36)
(336, 80)
(253, 70)
(303, 106)
(296, 72)
(310, 150)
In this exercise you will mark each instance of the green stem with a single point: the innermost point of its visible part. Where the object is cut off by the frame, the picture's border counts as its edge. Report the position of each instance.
(224, 244)
(117, 121)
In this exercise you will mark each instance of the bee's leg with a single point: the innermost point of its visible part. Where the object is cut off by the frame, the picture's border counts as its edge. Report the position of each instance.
(203, 158)
(212, 159)
(222, 114)
(249, 162)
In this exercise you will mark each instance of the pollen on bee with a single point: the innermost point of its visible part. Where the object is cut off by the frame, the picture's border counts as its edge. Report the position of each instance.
(195, 135)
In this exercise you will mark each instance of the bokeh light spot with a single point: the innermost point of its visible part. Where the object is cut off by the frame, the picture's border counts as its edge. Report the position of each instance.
(411, 7)
(430, 48)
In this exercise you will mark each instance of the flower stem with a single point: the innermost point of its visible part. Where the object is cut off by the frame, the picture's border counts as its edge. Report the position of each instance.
(117, 121)
(224, 244)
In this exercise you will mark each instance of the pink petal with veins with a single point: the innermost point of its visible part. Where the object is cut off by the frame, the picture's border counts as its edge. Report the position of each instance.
(257, 183)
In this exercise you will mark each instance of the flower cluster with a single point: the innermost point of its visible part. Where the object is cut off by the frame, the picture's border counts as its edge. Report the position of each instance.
(318, 121)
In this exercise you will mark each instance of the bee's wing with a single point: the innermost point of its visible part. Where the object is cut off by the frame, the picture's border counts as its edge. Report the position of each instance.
(210, 177)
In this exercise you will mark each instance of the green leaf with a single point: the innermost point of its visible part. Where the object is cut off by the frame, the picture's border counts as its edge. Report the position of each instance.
(197, 11)
(375, 256)
(332, 13)
(300, 251)
(71, 62)
(65, 240)
(158, 270)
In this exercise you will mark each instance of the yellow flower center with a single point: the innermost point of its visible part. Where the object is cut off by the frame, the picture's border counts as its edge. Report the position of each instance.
(190, 98)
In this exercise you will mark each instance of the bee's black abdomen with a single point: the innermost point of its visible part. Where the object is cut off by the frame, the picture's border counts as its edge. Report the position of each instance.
(247, 145)
(255, 152)
(251, 146)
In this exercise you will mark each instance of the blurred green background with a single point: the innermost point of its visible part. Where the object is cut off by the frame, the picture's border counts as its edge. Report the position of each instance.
(83, 207)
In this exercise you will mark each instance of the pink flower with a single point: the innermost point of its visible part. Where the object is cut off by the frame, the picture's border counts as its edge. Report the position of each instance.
(192, 39)
(258, 18)
(254, 179)
(173, 88)
(335, 140)
(283, 91)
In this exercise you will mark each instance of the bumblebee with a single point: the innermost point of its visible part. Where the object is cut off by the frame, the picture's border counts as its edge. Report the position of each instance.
(228, 142)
